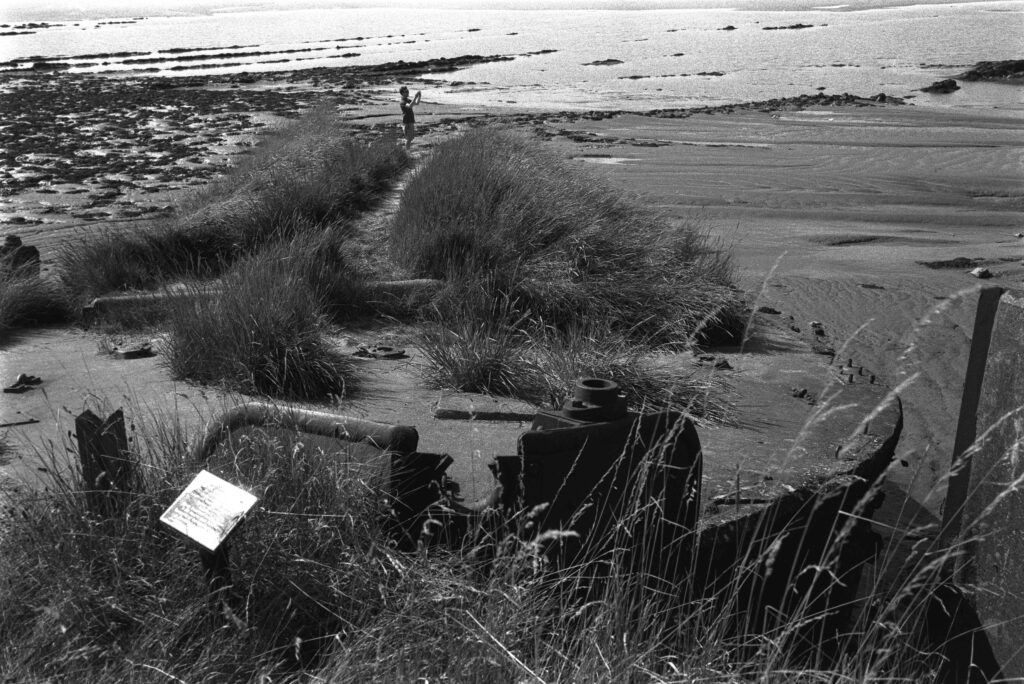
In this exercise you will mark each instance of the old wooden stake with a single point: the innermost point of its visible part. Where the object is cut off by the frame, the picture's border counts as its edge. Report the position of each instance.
(107, 466)
(967, 423)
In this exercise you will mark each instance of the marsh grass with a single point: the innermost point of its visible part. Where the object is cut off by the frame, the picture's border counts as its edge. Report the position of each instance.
(650, 380)
(495, 355)
(308, 174)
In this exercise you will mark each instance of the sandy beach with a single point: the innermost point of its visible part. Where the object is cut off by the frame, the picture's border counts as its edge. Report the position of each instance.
(831, 214)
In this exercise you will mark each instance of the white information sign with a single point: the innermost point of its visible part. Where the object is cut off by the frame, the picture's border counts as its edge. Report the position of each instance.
(208, 510)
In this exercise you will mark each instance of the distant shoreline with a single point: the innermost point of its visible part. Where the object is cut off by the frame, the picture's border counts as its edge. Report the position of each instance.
(93, 149)
(95, 141)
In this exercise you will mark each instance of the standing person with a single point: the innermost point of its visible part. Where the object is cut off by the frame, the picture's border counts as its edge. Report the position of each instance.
(408, 115)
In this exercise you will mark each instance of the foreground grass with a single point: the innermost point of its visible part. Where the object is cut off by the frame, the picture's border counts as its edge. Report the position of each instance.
(319, 594)
(308, 174)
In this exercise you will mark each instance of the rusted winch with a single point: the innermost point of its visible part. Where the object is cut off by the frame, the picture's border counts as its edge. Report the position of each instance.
(588, 469)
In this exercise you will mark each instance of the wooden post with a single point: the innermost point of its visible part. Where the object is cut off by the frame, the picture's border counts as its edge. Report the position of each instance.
(107, 465)
(967, 423)
(993, 512)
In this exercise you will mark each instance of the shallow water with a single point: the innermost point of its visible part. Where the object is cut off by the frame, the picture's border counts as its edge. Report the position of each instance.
(666, 57)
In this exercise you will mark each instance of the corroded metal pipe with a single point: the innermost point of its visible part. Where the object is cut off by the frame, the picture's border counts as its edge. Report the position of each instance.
(110, 304)
(401, 439)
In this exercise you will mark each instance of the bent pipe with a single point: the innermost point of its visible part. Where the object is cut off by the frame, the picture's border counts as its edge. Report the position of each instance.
(110, 304)
(401, 439)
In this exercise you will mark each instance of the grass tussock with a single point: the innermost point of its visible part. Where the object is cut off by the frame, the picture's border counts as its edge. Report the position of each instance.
(262, 330)
(308, 174)
(29, 299)
(475, 343)
(564, 245)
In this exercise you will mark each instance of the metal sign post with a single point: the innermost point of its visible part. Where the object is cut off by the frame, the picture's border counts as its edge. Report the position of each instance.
(207, 512)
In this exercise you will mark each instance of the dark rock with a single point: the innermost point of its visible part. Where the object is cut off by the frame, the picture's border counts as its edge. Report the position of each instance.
(942, 87)
(19, 258)
(767, 310)
(380, 352)
(957, 262)
(134, 351)
(819, 347)
(995, 71)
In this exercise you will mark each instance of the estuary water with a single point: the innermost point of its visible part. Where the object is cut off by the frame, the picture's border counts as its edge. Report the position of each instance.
(584, 55)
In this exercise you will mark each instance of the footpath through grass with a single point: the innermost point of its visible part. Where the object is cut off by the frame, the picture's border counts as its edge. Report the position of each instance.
(305, 176)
